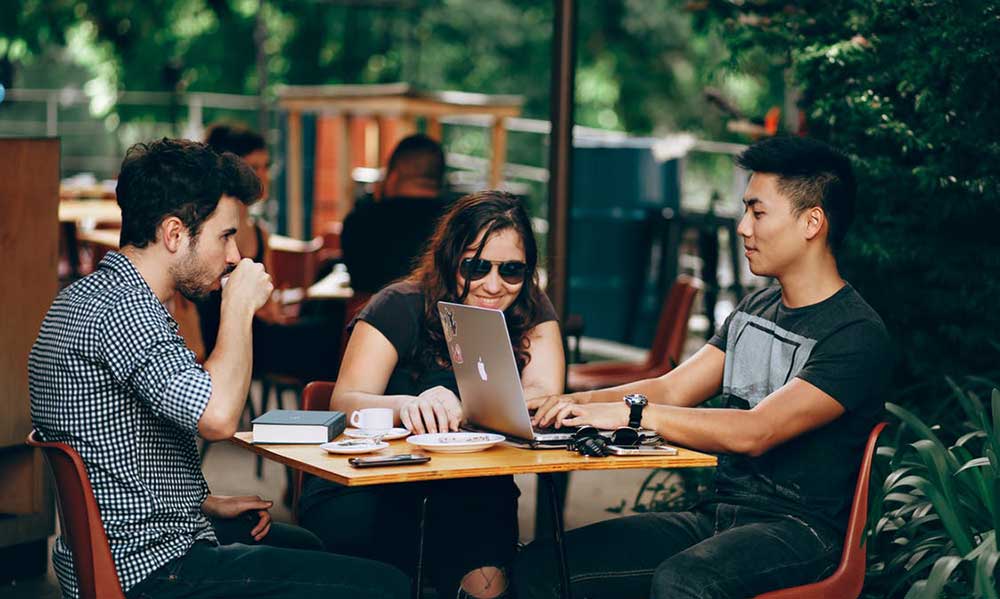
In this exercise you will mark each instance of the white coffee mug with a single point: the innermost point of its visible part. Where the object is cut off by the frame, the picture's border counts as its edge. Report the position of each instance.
(372, 419)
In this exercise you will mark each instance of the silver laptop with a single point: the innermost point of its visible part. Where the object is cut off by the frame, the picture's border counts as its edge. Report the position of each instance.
(489, 383)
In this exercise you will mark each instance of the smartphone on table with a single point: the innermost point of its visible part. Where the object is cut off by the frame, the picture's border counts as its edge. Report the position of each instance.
(400, 459)
(661, 450)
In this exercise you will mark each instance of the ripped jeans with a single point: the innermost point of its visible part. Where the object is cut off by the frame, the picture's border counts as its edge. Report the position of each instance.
(714, 551)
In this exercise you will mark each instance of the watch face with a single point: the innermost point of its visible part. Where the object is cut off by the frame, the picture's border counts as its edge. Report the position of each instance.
(636, 399)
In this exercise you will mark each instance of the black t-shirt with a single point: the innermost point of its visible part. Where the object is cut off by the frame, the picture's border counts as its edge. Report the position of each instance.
(840, 346)
(381, 240)
(398, 313)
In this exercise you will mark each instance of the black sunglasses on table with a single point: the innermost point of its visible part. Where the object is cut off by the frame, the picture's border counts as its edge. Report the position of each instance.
(476, 268)
(589, 441)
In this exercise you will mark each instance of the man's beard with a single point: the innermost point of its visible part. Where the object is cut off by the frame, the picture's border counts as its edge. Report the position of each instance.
(191, 279)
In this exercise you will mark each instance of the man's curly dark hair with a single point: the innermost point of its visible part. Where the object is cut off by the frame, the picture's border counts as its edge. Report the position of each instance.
(177, 177)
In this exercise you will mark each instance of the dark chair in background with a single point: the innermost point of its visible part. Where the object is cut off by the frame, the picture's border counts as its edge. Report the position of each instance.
(665, 353)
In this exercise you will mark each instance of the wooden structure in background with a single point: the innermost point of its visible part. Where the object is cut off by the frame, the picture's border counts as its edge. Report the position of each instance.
(29, 244)
(359, 125)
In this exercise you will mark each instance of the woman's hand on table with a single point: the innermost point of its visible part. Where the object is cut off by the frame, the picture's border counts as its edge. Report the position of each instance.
(436, 410)
(546, 408)
(222, 506)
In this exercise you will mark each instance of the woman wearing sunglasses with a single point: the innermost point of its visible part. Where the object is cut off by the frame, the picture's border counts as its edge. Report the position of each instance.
(482, 254)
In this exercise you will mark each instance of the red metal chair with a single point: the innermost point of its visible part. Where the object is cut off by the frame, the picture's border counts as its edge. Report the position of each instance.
(315, 396)
(331, 242)
(847, 580)
(293, 262)
(668, 345)
(80, 521)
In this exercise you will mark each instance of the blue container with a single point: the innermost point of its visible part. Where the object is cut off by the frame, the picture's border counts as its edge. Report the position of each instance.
(617, 189)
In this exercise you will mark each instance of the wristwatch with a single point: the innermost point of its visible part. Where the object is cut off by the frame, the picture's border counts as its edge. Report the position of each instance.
(636, 402)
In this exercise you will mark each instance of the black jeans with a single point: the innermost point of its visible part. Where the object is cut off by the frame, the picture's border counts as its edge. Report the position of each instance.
(471, 522)
(715, 550)
(286, 564)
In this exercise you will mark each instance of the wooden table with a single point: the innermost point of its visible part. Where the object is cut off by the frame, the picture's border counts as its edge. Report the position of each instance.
(107, 239)
(334, 286)
(496, 461)
(76, 216)
(92, 211)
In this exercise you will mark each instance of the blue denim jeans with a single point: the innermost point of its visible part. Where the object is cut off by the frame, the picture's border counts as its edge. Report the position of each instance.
(715, 550)
(291, 567)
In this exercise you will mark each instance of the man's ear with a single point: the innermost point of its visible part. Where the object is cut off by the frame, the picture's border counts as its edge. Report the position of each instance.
(815, 221)
(172, 233)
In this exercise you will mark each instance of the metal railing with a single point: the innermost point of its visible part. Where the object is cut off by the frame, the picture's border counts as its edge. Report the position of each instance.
(80, 156)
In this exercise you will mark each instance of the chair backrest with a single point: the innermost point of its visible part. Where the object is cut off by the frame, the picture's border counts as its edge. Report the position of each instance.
(849, 577)
(80, 521)
(315, 396)
(331, 241)
(293, 263)
(671, 330)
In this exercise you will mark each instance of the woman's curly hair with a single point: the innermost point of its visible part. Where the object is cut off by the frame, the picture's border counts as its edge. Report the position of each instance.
(437, 271)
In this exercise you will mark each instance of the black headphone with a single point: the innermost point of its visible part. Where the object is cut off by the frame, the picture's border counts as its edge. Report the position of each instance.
(588, 441)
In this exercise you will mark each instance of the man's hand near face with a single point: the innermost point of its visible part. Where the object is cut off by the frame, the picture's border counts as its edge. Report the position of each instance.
(249, 287)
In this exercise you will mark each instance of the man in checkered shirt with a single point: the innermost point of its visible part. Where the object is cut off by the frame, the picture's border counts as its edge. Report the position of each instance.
(110, 376)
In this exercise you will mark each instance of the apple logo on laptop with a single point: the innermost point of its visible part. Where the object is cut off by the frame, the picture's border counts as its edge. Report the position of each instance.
(482, 368)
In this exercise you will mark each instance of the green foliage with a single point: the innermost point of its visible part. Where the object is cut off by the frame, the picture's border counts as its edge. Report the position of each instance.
(909, 88)
(641, 63)
(937, 513)
(668, 490)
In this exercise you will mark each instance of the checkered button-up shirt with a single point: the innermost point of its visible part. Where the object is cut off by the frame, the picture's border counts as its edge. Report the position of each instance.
(110, 376)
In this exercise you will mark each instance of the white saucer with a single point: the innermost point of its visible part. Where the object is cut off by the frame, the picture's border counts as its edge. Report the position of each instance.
(455, 442)
(391, 434)
(353, 446)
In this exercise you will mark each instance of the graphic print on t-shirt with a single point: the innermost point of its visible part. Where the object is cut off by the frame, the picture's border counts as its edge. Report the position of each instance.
(761, 357)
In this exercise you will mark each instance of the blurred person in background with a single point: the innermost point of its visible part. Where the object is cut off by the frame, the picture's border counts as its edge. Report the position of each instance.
(383, 235)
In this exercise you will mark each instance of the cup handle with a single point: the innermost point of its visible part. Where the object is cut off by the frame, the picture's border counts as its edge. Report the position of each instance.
(356, 419)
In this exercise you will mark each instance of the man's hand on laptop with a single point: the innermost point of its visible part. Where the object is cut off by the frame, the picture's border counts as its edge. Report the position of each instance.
(436, 410)
(604, 416)
(546, 408)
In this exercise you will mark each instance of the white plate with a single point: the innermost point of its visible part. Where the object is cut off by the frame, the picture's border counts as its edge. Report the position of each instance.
(391, 434)
(353, 446)
(455, 442)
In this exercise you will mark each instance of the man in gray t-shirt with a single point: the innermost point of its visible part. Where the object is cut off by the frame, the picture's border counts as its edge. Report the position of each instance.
(800, 367)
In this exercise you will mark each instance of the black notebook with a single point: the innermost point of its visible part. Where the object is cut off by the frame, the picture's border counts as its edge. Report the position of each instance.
(298, 426)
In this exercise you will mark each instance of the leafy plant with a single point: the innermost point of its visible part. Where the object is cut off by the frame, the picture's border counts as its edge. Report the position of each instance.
(908, 88)
(936, 514)
(666, 490)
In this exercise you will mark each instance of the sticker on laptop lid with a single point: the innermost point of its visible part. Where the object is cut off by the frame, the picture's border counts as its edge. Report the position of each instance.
(450, 326)
(456, 353)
